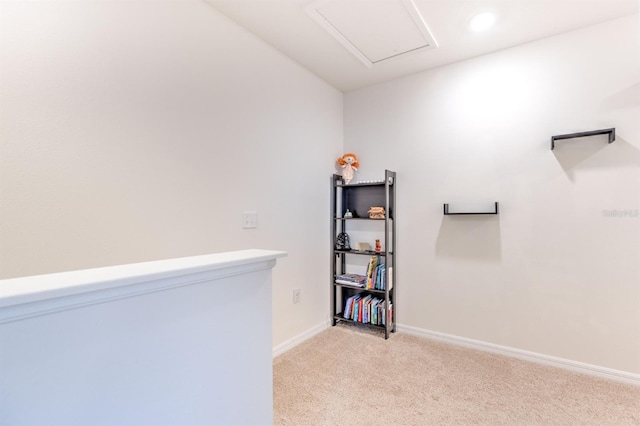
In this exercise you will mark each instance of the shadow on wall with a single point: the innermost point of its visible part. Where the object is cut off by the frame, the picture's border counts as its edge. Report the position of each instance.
(627, 98)
(473, 237)
(594, 152)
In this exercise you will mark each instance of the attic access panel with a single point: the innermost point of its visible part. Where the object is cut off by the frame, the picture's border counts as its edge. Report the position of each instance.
(374, 30)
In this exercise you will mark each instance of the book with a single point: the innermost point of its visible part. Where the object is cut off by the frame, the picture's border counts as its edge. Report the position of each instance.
(373, 262)
(349, 306)
(364, 318)
(356, 310)
(380, 279)
(375, 310)
(352, 279)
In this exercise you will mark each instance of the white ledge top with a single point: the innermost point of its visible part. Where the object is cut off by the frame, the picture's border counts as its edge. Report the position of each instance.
(18, 291)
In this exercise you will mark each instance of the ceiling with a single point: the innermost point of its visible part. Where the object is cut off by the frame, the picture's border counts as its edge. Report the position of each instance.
(356, 43)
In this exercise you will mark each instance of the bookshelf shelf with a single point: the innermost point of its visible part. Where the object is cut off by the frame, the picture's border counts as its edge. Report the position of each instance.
(361, 184)
(355, 287)
(359, 198)
(365, 253)
(340, 317)
(359, 218)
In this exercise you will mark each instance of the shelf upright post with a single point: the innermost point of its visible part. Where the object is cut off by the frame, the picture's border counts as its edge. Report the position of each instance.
(390, 248)
(333, 217)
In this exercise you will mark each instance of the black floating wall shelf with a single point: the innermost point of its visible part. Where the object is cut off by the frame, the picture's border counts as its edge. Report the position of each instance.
(446, 211)
(611, 132)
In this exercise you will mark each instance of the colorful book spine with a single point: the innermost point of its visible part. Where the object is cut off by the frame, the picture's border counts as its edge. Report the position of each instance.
(365, 309)
(373, 262)
(380, 277)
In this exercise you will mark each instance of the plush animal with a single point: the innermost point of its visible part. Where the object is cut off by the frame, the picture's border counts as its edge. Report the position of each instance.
(349, 163)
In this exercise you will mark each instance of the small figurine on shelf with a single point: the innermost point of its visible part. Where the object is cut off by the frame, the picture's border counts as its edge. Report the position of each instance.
(348, 214)
(349, 163)
(378, 247)
(342, 241)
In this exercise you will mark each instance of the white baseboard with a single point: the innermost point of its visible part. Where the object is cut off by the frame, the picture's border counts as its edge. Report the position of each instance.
(566, 364)
(296, 340)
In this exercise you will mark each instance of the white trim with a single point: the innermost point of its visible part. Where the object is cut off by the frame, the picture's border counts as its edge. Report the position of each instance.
(413, 10)
(312, 10)
(566, 364)
(296, 340)
(29, 297)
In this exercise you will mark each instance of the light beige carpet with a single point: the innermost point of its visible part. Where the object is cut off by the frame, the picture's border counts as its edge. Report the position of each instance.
(347, 376)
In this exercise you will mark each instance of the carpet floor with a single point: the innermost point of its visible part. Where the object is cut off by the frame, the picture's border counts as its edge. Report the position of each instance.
(349, 375)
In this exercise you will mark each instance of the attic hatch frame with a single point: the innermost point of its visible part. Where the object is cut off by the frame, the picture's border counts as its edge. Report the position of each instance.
(410, 7)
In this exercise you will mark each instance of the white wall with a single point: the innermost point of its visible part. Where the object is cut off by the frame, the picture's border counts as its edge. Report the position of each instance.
(552, 273)
(138, 130)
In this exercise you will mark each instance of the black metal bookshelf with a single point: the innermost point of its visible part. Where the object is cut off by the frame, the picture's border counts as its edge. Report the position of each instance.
(358, 198)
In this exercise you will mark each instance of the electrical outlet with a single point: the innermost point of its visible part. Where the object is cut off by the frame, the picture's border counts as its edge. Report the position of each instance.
(296, 295)
(249, 220)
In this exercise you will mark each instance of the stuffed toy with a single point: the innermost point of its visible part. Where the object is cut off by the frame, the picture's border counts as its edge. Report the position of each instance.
(349, 163)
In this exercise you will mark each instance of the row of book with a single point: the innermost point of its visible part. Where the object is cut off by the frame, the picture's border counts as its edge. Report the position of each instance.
(376, 277)
(367, 309)
(371, 270)
(378, 280)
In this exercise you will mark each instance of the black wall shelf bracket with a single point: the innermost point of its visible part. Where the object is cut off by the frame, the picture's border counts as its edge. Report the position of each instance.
(447, 213)
(611, 132)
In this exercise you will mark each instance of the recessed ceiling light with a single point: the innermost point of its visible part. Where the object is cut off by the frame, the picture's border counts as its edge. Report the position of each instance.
(482, 21)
